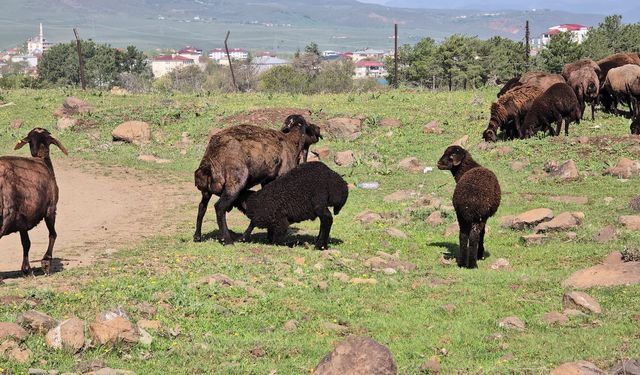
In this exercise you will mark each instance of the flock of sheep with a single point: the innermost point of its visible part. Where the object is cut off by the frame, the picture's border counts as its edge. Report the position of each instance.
(243, 156)
(534, 101)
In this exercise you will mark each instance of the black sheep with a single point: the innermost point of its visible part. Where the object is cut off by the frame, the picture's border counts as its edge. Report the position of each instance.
(476, 198)
(635, 126)
(304, 193)
(556, 104)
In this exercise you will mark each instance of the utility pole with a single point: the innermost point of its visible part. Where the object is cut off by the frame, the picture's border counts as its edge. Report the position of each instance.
(527, 48)
(395, 56)
(80, 59)
(233, 77)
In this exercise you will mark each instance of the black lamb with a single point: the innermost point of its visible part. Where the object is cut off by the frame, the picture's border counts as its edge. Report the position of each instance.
(556, 104)
(304, 193)
(476, 198)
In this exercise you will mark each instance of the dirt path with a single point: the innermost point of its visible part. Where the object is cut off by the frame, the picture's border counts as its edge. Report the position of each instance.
(100, 209)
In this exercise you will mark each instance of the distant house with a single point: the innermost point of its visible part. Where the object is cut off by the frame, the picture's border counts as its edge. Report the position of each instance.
(369, 69)
(192, 53)
(578, 33)
(219, 54)
(368, 53)
(264, 63)
(164, 64)
(30, 60)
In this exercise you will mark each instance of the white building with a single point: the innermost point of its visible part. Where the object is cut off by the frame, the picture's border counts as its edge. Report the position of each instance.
(264, 63)
(369, 69)
(219, 54)
(30, 60)
(192, 53)
(578, 34)
(38, 44)
(162, 65)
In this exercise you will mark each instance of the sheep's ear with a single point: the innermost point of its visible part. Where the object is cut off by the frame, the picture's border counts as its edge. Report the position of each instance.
(60, 146)
(21, 144)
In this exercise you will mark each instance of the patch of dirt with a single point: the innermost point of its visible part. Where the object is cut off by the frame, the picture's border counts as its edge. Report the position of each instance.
(265, 116)
(100, 210)
(614, 271)
(604, 143)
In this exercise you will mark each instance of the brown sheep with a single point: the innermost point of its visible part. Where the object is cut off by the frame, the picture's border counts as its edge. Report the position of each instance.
(556, 104)
(29, 193)
(615, 61)
(541, 80)
(512, 83)
(476, 198)
(635, 125)
(511, 106)
(623, 84)
(582, 76)
(241, 157)
(312, 137)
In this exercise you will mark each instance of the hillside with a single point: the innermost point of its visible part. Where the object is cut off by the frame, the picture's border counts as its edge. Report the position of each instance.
(281, 26)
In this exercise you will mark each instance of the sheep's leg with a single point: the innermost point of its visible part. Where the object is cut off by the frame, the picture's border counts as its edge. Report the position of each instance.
(481, 243)
(202, 209)
(247, 233)
(593, 110)
(474, 242)
(558, 123)
(26, 245)
(463, 254)
(326, 220)
(48, 256)
(222, 205)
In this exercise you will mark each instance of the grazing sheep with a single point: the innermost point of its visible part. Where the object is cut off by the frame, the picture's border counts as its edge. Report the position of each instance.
(29, 193)
(635, 125)
(510, 107)
(541, 80)
(243, 156)
(623, 84)
(304, 193)
(476, 198)
(556, 104)
(582, 76)
(615, 61)
(512, 83)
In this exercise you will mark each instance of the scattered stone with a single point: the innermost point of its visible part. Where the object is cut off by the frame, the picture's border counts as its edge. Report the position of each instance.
(36, 321)
(626, 168)
(368, 217)
(564, 221)
(258, 352)
(331, 253)
(358, 356)
(395, 232)
(65, 123)
(389, 271)
(72, 106)
(606, 234)
(435, 219)
(461, 142)
(569, 199)
(534, 239)
(153, 159)
(341, 276)
(16, 124)
(12, 330)
(323, 285)
(512, 323)
(291, 325)
(219, 279)
(390, 123)
(90, 365)
(531, 218)
(581, 301)
(144, 337)
(555, 317)
(626, 367)
(577, 368)
(485, 146)
(444, 261)
(411, 164)
(380, 264)
(565, 171)
(613, 272)
(400, 195)
(503, 150)
(635, 204)
(452, 229)
(518, 165)
(500, 264)
(68, 335)
(631, 222)
(149, 324)
(147, 309)
(322, 152)
(12, 351)
(431, 366)
(110, 371)
(334, 327)
(137, 132)
(113, 326)
(433, 128)
(344, 128)
(358, 280)
(344, 158)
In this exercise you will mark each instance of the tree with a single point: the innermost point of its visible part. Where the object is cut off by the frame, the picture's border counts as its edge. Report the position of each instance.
(417, 65)
(502, 59)
(284, 78)
(334, 77)
(458, 58)
(560, 50)
(312, 48)
(611, 36)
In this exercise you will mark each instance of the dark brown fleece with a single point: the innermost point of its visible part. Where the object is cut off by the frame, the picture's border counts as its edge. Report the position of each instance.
(509, 110)
(513, 82)
(556, 104)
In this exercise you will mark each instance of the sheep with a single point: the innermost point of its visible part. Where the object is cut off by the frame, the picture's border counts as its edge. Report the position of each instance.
(582, 76)
(615, 61)
(635, 125)
(623, 83)
(476, 198)
(304, 193)
(557, 103)
(241, 157)
(312, 137)
(512, 106)
(29, 193)
(512, 83)
(541, 80)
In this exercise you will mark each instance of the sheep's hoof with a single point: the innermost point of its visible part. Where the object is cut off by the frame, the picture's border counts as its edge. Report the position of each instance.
(227, 241)
(197, 238)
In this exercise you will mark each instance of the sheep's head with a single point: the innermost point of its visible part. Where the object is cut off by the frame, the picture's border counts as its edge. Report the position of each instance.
(312, 133)
(294, 121)
(39, 140)
(489, 135)
(453, 156)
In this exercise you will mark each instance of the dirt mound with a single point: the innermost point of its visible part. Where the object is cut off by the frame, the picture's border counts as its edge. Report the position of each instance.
(265, 116)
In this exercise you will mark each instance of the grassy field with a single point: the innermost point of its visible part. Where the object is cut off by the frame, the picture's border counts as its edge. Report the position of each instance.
(241, 330)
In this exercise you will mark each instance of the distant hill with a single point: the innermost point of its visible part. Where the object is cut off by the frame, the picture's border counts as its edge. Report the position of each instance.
(283, 25)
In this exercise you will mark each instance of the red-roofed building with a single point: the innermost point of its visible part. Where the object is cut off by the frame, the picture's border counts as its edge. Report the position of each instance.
(164, 64)
(578, 33)
(192, 53)
(369, 69)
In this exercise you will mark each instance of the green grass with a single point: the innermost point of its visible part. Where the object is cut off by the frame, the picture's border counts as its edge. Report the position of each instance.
(220, 326)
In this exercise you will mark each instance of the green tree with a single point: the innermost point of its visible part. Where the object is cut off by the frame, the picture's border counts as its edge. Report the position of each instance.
(284, 78)
(312, 48)
(560, 50)
(417, 65)
(459, 61)
(502, 59)
(334, 77)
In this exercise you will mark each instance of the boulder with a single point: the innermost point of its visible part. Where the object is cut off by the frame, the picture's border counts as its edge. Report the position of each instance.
(344, 128)
(500, 264)
(36, 321)
(626, 367)
(390, 123)
(368, 217)
(565, 171)
(569, 199)
(512, 323)
(72, 106)
(613, 272)
(434, 219)
(452, 229)
(12, 330)
(518, 165)
(358, 356)
(564, 221)
(110, 371)
(113, 326)
(626, 168)
(16, 124)
(137, 132)
(581, 301)
(395, 232)
(65, 123)
(577, 368)
(631, 222)
(461, 141)
(323, 152)
(555, 317)
(606, 234)
(433, 128)
(531, 218)
(344, 158)
(12, 351)
(68, 335)
(411, 164)
(534, 239)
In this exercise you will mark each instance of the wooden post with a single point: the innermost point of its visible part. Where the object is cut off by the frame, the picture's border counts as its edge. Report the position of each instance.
(80, 59)
(233, 77)
(527, 48)
(395, 56)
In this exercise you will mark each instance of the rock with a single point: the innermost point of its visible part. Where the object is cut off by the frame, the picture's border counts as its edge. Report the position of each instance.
(635, 204)
(149, 324)
(147, 309)
(431, 366)
(65, 123)
(577, 368)
(581, 301)
(433, 128)
(72, 106)
(344, 158)
(358, 356)
(323, 285)
(358, 280)
(12, 351)
(390, 123)
(395, 232)
(613, 272)
(153, 159)
(344, 128)
(626, 367)
(626, 168)
(534, 239)
(502, 151)
(564, 221)
(113, 326)
(500, 264)
(631, 222)
(411, 164)
(531, 218)
(569, 199)
(16, 124)
(452, 229)
(606, 234)
(110, 371)
(341, 276)
(334, 327)
(137, 132)
(368, 217)
(322, 152)
(12, 330)
(512, 323)
(380, 264)
(435, 218)
(518, 165)
(219, 279)
(144, 337)
(555, 317)
(565, 171)
(291, 325)
(461, 142)
(400, 195)
(36, 321)
(68, 335)
(90, 365)
(212, 132)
